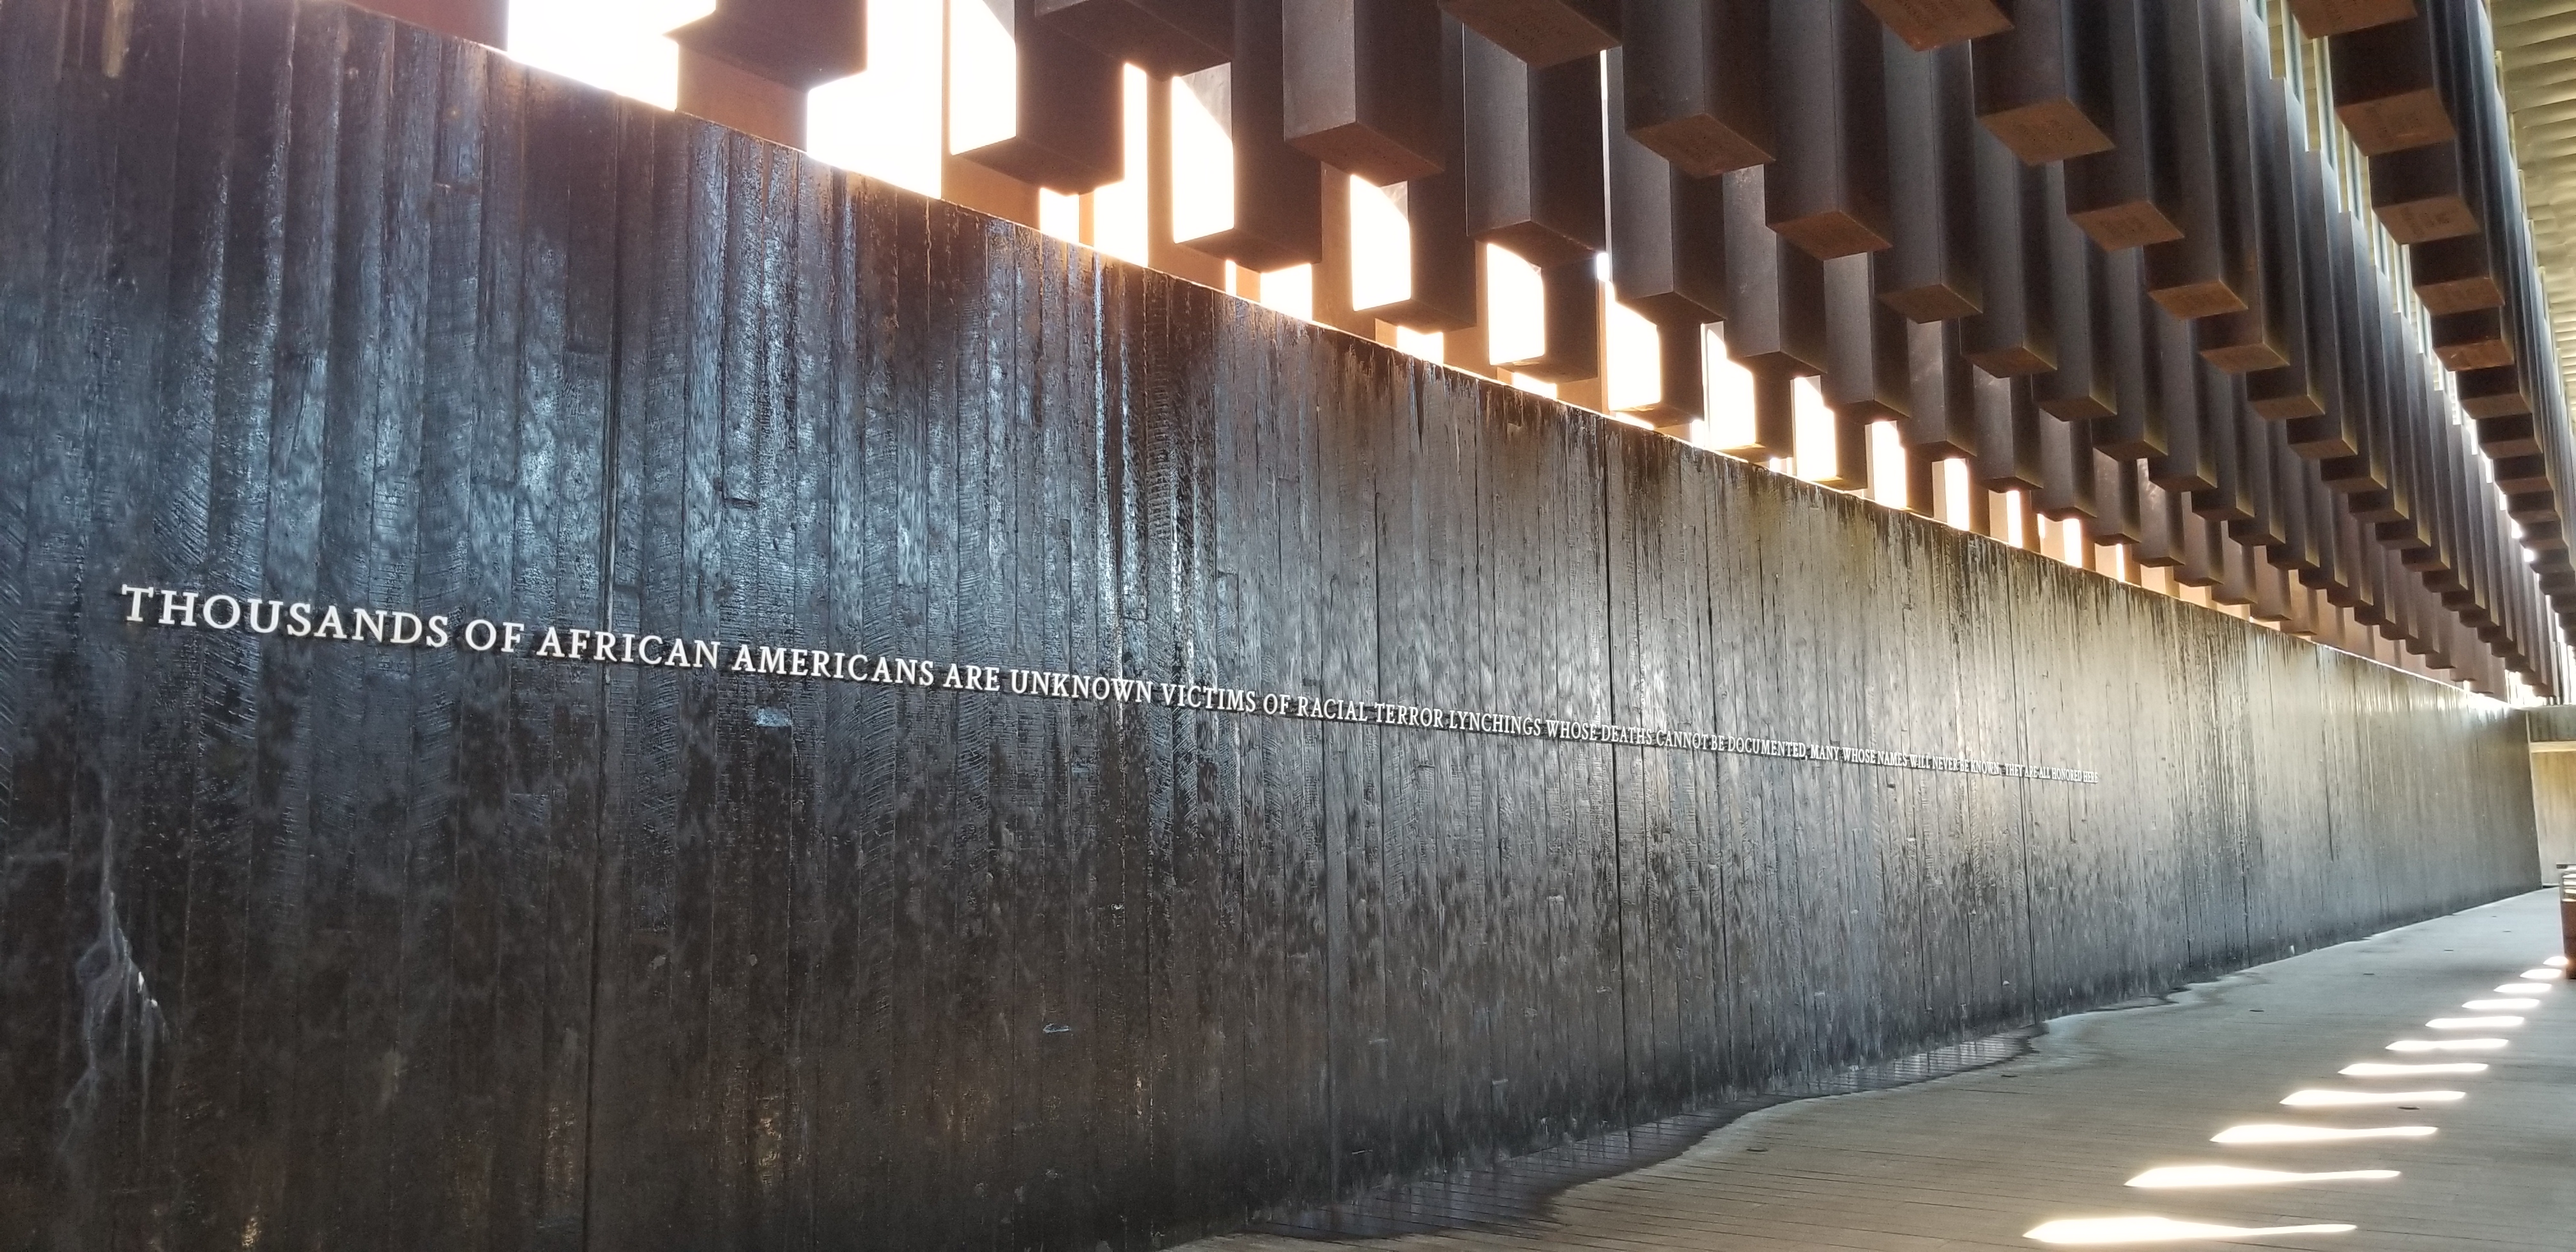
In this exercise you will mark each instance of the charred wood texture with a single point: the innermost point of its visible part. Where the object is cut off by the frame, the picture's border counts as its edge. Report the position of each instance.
(358, 945)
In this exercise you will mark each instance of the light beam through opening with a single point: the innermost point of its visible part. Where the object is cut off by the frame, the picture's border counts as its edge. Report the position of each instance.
(2105, 1230)
(2392, 1069)
(2274, 1132)
(2172, 1176)
(2315, 1098)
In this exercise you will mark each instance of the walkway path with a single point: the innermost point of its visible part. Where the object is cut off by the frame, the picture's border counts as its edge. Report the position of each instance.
(1979, 1160)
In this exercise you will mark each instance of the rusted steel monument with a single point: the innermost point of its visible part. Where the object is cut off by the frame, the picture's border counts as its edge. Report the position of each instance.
(575, 677)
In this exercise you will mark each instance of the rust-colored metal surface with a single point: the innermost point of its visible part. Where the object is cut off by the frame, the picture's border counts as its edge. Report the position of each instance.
(322, 942)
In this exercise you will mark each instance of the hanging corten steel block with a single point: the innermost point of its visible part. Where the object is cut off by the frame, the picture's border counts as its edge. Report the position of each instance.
(2513, 434)
(1443, 256)
(729, 95)
(1364, 87)
(2321, 18)
(1941, 389)
(2416, 193)
(2188, 463)
(2299, 549)
(2203, 549)
(1571, 317)
(2081, 387)
(2015, 332)
(1828, 187)
(2067, 474)
(2008, 436)
(2195, 276)
(1068, 125)
(1542, 32)
(1775, 326)
(1670, 264)
(2268, 529)
(1278, 201)
(1533, 153)
(1698, 82)
(2222, 422)
(2285, 386)
(1867, 374)
(2384, 87)
(2296, 237)
(2043, 86)
(1775, 321)
(2455, 275)
(2493, 392)
(2129, 196)
(2472, 340)
(1928, 24)
(2523, 475)
(2327, 294)
(2160, 517)
(2115, 500)
(1931, 273)
(2136, 427)
(1167, 37)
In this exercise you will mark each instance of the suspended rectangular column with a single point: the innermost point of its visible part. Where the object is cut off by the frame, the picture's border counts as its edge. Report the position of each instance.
(1942, 392)
(1571, 326)
(1930, 273)
(1775, 324)
(1868, 368)
(1028, 101)
(2009, 440)
(2014, 333)
(1533, 146)
(2081, 387)
(1240, 191)
(1542, 32)
(2136, 427)
(1364, 86)
(1829, 184)
(2131, 195)
(2256, 336)
(1165, 37)
(1699, 84)
(2194, 276)
(2188, 462)
(2291, 224)
(1928, 24)
(2417, 193)
(1670, 264)
(2043, 86)
(2384, 88)
(1427, 215)
(2321, 18)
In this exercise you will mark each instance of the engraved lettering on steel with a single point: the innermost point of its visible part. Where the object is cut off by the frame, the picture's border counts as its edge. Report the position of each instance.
(160, 606)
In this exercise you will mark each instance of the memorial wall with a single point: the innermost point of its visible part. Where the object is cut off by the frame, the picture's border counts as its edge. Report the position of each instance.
(569, 678)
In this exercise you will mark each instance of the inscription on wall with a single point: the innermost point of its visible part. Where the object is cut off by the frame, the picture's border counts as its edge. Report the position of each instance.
(196, 610)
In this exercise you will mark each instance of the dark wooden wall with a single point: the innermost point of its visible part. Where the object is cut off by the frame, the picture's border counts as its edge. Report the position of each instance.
(315, 945)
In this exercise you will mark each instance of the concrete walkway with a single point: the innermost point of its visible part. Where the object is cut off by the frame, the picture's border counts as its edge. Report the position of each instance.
(1978, 1160)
